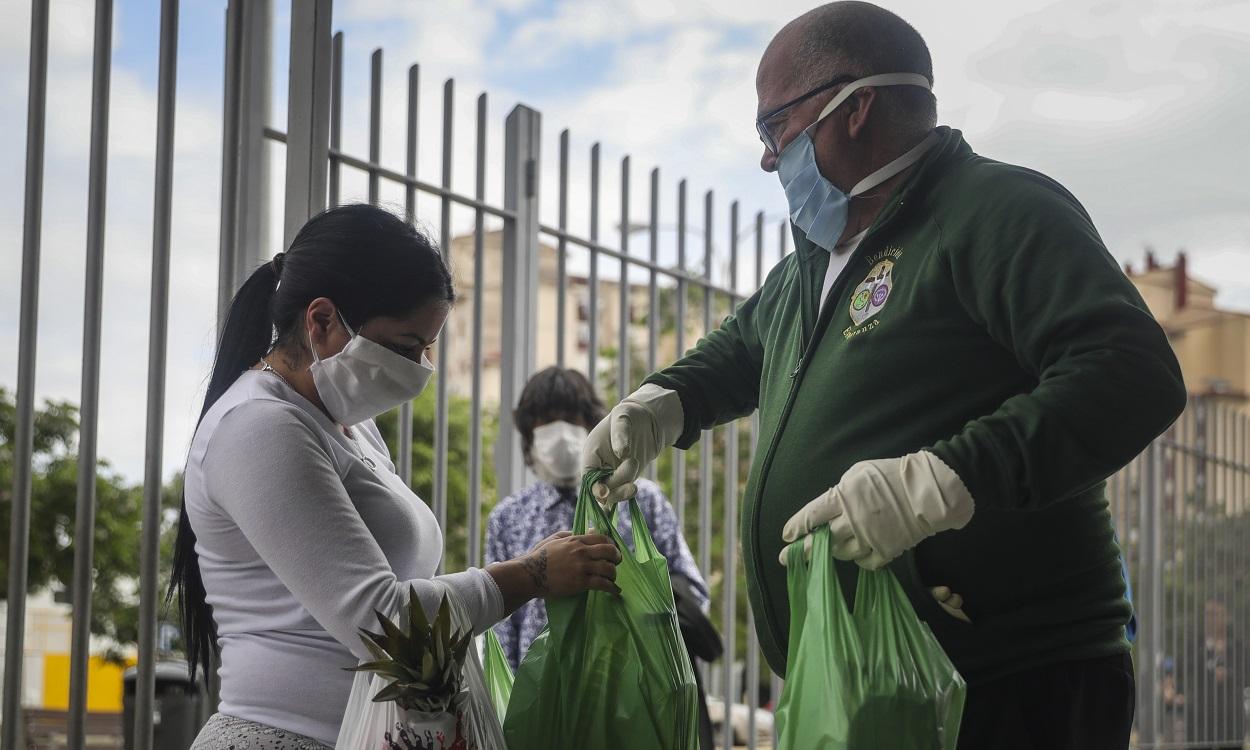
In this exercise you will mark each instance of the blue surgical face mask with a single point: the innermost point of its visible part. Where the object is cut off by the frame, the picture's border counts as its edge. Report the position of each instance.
(817, 206)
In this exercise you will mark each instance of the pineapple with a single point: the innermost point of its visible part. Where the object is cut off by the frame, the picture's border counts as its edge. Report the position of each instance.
(423, 660)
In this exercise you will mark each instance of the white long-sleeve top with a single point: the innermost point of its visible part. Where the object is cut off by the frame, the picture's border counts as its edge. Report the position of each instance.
(302, 532)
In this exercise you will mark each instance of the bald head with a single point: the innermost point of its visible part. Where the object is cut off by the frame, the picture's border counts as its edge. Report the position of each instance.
(857, 39)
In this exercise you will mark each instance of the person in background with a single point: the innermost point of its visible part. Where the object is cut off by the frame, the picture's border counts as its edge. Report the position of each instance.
(556, 410)
(1213, 690)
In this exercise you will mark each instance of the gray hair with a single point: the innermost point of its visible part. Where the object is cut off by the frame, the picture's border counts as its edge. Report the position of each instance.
(862, 39)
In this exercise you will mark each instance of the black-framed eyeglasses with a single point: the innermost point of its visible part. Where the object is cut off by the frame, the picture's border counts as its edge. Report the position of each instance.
(764, 127)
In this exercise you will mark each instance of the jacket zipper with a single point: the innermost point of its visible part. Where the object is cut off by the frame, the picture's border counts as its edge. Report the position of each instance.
(822, 324)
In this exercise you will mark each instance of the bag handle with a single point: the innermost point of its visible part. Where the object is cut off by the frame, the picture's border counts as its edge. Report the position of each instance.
(590, 513)
(824, 593)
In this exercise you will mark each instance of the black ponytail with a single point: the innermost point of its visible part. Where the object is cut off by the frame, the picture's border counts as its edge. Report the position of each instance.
(370, 263)
(245, 338)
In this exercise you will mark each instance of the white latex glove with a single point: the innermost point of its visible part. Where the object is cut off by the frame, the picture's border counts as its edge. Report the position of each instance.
(631, 437)
(882, 508)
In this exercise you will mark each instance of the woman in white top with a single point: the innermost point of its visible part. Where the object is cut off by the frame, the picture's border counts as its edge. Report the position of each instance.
(294, 526)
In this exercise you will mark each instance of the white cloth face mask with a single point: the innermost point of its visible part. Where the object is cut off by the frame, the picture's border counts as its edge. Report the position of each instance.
(366, 379)
(556, 455)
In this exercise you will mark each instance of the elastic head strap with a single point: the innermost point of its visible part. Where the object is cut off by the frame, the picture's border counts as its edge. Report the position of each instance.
(881, 79)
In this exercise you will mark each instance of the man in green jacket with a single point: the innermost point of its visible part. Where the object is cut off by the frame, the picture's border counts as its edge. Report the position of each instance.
(946, 369)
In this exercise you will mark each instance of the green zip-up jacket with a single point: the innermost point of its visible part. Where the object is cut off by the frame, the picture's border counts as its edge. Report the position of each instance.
(980, 318)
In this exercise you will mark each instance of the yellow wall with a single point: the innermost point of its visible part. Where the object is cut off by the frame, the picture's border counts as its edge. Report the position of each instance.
(1212, 345)
(104, 683)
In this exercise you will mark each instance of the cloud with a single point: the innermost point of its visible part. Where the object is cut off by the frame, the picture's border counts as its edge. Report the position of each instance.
(128, 237)
(1135, 106)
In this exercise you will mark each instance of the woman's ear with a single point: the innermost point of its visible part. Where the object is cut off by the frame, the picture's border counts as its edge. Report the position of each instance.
(321, 323)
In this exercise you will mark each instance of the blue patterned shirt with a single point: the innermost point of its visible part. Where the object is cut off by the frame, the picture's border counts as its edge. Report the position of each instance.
(522, 520)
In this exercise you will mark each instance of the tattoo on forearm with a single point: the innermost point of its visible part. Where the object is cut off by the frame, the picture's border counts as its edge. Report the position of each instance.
(536, 566)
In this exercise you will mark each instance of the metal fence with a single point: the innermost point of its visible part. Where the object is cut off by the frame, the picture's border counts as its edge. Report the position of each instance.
(1183, 513)
(1181, 508)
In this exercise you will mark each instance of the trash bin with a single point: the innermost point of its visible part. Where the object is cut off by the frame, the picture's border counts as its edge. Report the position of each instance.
(176, 708)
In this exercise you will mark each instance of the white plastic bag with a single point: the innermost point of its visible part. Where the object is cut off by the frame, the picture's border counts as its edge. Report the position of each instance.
(384, 726)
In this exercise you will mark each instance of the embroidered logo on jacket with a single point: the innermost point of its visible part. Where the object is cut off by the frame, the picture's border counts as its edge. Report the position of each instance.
(872, 294)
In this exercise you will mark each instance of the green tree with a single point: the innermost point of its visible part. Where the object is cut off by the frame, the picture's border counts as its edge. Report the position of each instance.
(53, 497)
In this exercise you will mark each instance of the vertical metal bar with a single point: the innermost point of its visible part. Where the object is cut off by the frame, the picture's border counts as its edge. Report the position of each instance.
(653, 314)
(84, 510)
(1220, 494)
(479, 279)
(679, 456)
(752, 686)
(623, 316)
(228, 226)
(410, 214)
(783, 238)
(733, 254)
(1184, 501)
(1240, 543)
(255, 81)
(562, 252)
(1212, 566)
(522, 141)
(375, 122)
(1176, 556)
(729, 537)
(23, 444)
(753, 646)
(336, 116)
(705, 444)
(1231, 590)
(759, 249)
(441, 429)
(592, 367)
(1148, 633)
(1157, 575)
(308, 114)
(708, 436)
(729, 606)
(413, 126)
(158, 332)
(1194, 554)
(1231, 571)
(1226, 572)
(244, 166)
(1203, 530)
(1212, 540)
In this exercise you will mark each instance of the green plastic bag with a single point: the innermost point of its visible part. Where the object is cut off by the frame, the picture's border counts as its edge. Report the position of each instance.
(498, 673)
(873, 679)
(609, 672)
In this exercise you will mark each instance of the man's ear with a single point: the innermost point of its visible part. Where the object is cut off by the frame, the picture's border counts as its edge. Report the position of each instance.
(859, 108)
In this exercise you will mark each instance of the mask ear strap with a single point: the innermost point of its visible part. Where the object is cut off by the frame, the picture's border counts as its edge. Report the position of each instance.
(343, 320)
(898, 165)
(882, 79)
(313, 349)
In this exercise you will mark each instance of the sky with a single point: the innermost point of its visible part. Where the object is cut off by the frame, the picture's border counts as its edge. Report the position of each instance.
(1139, 107)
